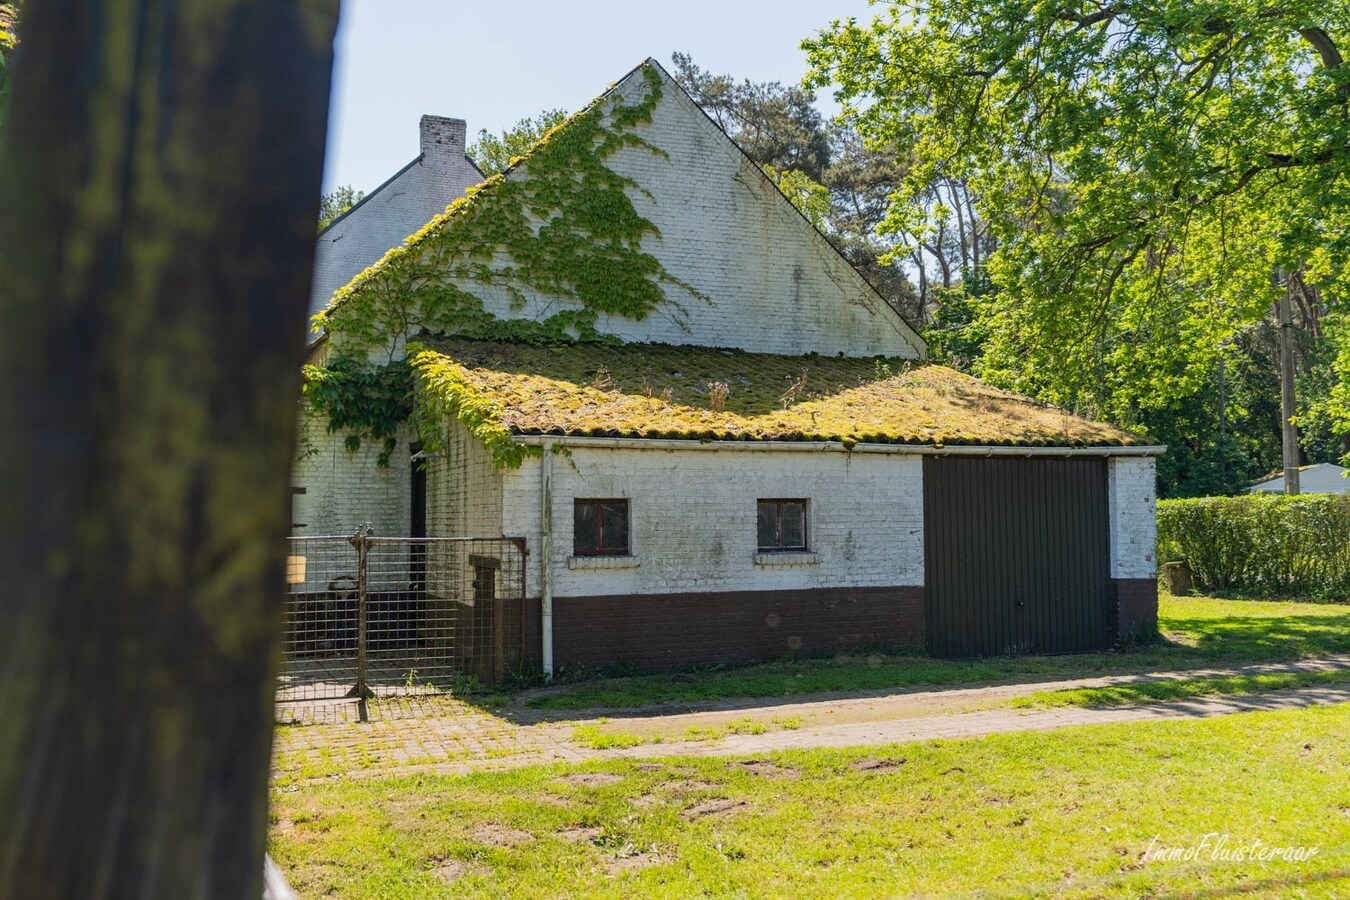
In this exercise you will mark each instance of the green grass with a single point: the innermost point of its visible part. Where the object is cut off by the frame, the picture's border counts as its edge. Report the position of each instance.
(717, 732)
(597, 737)
(1072, 812)
(1197, 632)
(1180, 689)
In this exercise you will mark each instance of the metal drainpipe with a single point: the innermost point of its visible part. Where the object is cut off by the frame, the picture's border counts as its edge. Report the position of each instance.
(546, 556)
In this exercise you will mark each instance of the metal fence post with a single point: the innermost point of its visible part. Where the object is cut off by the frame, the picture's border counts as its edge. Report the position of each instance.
(361, 690)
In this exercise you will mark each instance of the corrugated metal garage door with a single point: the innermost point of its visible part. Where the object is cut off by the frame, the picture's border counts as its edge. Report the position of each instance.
(1017, 555)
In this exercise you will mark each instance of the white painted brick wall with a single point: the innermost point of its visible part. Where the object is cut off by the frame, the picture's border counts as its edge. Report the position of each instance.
(464, 489)
(398, 209)
(694, 518)
(1131, 486)
(345, 489)
(774, 284)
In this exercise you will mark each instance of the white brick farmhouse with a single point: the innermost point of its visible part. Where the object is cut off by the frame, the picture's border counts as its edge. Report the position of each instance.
(757, 461)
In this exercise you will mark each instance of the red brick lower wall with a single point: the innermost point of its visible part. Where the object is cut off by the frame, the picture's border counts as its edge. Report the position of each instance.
(655, 631)
(1135, 601)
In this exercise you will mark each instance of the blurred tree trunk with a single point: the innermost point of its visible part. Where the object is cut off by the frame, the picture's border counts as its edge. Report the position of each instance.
(158, 191)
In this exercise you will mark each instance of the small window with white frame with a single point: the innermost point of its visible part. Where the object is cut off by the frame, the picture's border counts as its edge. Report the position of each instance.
(782, 526)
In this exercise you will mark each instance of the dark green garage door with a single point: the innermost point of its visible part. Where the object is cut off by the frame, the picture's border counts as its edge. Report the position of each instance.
(1017, 555)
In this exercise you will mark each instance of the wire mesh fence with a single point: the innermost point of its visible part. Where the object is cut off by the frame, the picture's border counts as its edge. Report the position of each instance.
(385, 617)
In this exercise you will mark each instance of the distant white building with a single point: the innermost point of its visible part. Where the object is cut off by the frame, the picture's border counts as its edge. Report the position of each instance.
(408, 200)
(1323, 478)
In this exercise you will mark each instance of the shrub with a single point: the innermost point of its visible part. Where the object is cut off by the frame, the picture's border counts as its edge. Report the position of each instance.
(1262, 544)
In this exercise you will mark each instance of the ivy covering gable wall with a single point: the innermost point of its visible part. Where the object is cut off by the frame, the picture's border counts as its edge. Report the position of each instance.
(559, 224)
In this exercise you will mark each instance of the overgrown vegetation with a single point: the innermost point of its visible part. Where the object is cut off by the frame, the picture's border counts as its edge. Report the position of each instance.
(652, 390)
(1045, 241)
(567, 231)
(493, 153)
(1261, 545)
(362, 401)
(1072, 812)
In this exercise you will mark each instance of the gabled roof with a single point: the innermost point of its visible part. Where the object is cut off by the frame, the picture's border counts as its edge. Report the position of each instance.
(663, 391)
(474, 200)
(384, 184)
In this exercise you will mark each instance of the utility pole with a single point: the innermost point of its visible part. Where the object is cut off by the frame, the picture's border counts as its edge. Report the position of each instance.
(1287, 389)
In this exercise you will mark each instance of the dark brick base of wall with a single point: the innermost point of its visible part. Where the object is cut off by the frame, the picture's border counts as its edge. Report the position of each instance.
(656, 631)
(1135, 601)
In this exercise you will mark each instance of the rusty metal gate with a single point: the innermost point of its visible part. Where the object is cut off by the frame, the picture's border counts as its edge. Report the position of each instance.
(1017, 555)
(371, 616)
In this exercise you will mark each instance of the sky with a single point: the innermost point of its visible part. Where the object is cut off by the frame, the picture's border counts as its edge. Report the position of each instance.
(493, 63)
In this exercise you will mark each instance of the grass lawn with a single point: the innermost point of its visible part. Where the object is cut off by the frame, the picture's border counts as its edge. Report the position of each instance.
(1196, 631)
(1076, 811)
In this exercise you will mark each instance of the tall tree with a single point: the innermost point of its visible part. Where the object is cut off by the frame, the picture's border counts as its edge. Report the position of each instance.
(1145, 169)
(158, 190)
(775, 125)
(493, 153)
(336, 202)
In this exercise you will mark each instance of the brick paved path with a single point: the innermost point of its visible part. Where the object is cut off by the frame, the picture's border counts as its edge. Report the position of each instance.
(446, 735)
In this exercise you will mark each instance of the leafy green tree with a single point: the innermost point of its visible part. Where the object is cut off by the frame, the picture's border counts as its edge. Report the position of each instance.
(1146, 171)
(809, 196)
(493, 153)
(1324, 432)
(336, 202)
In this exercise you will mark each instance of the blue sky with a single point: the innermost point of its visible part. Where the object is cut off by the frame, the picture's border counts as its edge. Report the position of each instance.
(493, 63)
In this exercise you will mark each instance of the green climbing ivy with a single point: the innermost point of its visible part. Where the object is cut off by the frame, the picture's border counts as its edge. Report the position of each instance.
(364, 401)
(446, 395)
(568, 229)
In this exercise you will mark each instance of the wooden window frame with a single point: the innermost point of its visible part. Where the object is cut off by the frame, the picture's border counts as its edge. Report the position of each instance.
(778, 504)
(599, 503)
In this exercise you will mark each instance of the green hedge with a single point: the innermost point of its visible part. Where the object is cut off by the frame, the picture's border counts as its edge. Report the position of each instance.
(1262, 544)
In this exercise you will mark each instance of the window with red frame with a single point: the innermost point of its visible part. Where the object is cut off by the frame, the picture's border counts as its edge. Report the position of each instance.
(600, 527)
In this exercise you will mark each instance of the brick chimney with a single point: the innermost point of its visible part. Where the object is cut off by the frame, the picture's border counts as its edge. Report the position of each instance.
(442, 139)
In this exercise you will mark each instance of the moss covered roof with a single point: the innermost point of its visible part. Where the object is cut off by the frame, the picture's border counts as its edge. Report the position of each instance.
(662, 391)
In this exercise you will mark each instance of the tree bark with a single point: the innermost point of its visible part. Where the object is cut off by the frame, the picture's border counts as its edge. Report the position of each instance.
(1288, 431)
(158, 193)
(963, 242)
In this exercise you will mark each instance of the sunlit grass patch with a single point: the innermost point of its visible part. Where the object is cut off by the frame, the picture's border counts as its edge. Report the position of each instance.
(595, 736)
